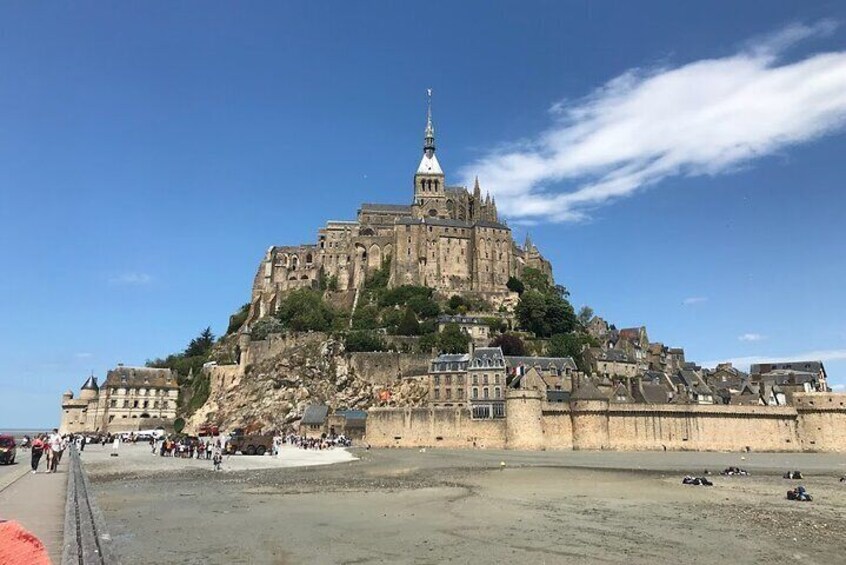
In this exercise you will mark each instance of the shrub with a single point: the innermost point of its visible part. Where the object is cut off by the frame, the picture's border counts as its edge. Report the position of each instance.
(510, 344)
(305, 310)
(364, 341)
(515, 285)
(237, 319)
(265, 327)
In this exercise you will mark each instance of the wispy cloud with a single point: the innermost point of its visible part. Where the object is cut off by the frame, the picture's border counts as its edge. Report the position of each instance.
(694, 300)
(821, 355)
(131, 279)
(83, 355)
(706, 117)
(751, 337)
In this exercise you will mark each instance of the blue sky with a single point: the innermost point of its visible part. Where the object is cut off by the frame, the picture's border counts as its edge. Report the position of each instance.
(680, 165)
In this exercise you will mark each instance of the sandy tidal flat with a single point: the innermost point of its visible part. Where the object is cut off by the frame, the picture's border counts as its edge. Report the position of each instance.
(435, 506)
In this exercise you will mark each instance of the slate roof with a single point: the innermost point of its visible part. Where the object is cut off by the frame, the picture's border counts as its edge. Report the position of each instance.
(141, 377)
(615, 355)
(652, 393)
(807, 366)
(91, 384)
(390, 208)
(315, 415)
(488, 353)
(451, 223)
(553, 395)
(587, 391)
(560, 363)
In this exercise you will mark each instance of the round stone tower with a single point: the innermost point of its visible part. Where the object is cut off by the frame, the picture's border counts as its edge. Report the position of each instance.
(244, 341)
(589, 413)
(90, 390)
(523, 427)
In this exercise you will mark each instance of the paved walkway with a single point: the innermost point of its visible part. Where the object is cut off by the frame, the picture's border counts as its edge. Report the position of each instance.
(37, 502)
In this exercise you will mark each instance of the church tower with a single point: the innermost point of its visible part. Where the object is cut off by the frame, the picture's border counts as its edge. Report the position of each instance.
(429, 189)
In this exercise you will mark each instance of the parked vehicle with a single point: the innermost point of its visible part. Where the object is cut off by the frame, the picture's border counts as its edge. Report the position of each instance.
(8, 450)
(253, 444)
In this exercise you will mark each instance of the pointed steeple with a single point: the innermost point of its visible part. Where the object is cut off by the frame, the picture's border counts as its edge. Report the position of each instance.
(477, 191)
(429, 163)
(527, 245)
(429, 137)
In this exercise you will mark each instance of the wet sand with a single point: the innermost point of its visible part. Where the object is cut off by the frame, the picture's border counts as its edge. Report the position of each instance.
(408, 506)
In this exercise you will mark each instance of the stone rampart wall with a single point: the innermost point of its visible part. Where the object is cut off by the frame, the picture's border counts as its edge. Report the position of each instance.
(432, 427)
(382, 367)
(816, 423)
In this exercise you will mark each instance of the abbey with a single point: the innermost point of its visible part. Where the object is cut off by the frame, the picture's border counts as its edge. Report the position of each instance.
(448, 238)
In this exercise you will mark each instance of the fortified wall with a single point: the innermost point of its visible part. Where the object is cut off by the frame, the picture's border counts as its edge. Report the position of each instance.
(817, 422)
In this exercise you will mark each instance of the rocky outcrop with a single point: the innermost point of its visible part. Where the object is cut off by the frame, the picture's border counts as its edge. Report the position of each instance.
(274, 392)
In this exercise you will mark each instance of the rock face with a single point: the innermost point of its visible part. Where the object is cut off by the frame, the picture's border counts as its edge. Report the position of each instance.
(274, 393)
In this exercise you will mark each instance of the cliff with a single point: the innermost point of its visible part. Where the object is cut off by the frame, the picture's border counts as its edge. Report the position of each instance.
(274, 391)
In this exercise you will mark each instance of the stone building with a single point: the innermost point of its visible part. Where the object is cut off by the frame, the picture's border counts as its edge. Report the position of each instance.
(475, 327)
(793, 376)
(475, 380)
(449, 238)
(131, 399)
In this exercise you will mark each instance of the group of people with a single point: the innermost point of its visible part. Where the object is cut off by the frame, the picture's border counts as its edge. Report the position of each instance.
(320, 443)
(189, 448)
(50, 446)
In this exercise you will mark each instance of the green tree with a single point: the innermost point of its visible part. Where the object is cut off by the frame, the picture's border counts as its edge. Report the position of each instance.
(510, 344)
(237, 319)
(266, 326)
(378, 279)
(409, 324)
(424, 306)
(453, 340)
(585, 315)
(545, 314)
(515, 285)
(364, 341)
(570, 345)
(200, 345)
(366, 317)
(305, 310)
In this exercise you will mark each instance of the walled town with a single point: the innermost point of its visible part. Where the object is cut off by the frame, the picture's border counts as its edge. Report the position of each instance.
(428, 325)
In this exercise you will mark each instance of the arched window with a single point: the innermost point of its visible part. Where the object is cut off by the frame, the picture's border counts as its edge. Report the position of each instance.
(475, 393)
(308, 259)
(436, 185)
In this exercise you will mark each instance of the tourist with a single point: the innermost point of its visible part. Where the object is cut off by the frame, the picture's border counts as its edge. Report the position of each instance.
(217, 459)
(54, 442)
(37, 450)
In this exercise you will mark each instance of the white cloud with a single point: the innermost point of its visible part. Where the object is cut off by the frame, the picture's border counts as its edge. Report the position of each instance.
(824, 355)
(751, 337)
(694, 300)
(82, 355)
(131, 279)
(706, 117)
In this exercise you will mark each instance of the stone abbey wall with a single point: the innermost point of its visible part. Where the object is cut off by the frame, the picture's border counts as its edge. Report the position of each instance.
(596, 424)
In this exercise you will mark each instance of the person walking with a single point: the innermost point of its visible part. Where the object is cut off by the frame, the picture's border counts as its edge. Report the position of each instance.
(37, 450)
(54, 444)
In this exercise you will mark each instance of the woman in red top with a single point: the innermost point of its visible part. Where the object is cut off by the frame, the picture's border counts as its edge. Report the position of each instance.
(38, 447)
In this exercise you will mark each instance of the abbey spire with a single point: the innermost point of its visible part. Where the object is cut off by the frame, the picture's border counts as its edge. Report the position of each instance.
(429, 163)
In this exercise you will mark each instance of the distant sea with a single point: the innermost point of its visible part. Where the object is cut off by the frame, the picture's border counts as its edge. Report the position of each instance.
(21, 432)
